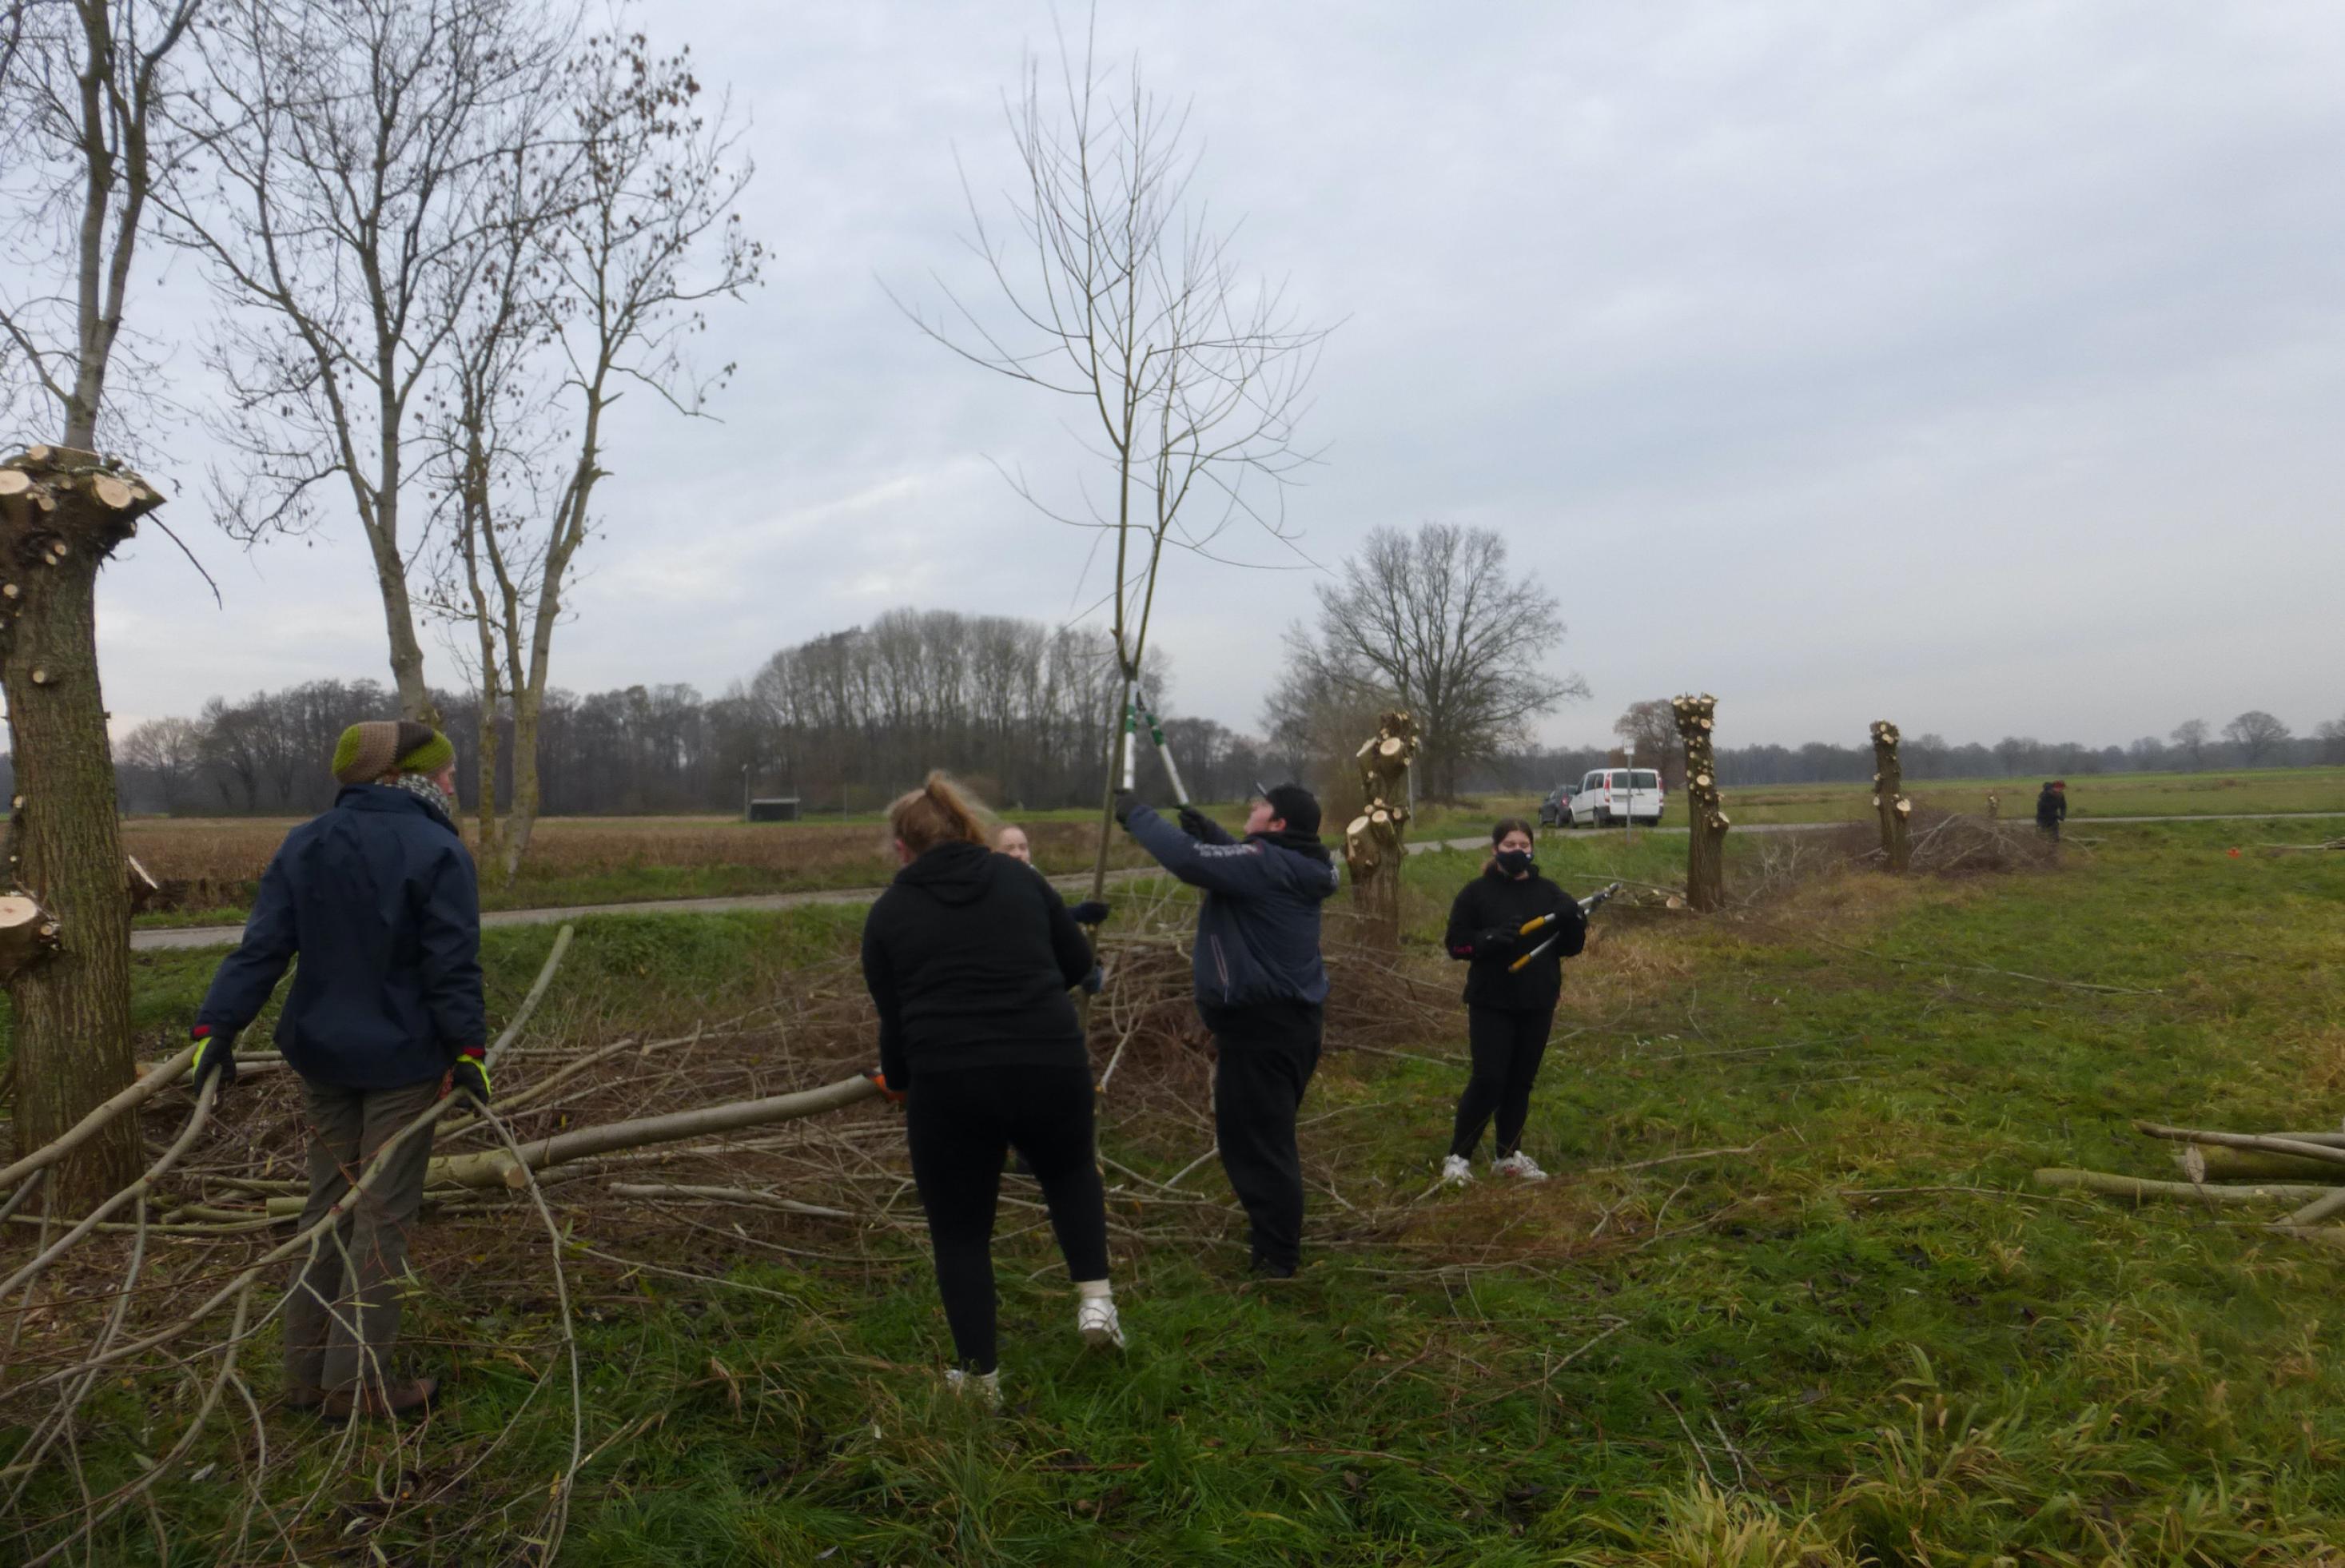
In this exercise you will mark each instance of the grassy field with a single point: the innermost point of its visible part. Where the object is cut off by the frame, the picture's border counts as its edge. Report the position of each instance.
(2089, 795)
(1834, 1327)
(210, 867)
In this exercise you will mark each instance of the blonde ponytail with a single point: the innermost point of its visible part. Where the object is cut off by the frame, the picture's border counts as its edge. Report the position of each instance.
(937, 812)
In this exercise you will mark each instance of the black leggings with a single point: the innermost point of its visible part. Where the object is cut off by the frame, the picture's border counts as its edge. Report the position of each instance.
(959, 1124)
(1506, 1047)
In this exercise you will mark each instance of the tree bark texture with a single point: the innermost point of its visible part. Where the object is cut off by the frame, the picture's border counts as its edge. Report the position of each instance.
(62, 511)
(1706, 819)
(1889, 802)
(1375, 842)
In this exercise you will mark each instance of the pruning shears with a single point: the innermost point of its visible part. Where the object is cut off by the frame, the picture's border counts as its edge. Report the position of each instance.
(1136, 713)
(1163, 752)
(1587, 908)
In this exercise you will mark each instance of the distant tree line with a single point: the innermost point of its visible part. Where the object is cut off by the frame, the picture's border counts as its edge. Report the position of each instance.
(846, 720)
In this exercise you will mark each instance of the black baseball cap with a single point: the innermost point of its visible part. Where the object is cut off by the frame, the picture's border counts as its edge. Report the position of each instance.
(1293, 804)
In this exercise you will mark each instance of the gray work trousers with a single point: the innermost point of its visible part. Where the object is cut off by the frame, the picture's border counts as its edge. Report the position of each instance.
(341, 1310)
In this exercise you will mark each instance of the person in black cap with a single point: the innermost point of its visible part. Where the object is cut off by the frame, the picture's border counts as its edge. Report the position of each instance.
(1261, 988)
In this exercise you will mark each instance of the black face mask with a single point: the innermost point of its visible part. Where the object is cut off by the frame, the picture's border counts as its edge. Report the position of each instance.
(1514, 861)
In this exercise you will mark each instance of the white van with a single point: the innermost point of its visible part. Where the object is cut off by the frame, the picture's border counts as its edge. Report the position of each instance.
(1609, 796)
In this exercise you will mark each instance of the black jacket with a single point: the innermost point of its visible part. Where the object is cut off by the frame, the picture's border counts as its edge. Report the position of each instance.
(968, 955)
(1483, 922)
(2051, 806)
(1258, 923)
(379, 900)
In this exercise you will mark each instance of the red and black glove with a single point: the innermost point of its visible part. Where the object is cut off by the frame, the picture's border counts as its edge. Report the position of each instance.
(470, 1076)
(892, 1096)
(214, 1054)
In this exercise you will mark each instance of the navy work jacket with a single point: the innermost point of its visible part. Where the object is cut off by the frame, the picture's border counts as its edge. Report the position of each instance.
(379, 900)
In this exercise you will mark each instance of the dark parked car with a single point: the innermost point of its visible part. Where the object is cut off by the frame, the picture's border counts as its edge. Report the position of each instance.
(1554, 810)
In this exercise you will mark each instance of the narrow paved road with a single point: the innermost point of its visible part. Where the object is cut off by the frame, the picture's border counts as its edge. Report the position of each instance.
(164, 938)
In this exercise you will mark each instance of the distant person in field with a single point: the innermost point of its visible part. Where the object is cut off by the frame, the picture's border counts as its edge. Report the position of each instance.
(378, 899)
(1509, 1011)
(2052, 808)
(1261, 988)
(968, 958)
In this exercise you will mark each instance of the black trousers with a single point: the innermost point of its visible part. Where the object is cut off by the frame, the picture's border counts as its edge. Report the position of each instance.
(1508, 1047)
(959, 1124)
(1267, 1054)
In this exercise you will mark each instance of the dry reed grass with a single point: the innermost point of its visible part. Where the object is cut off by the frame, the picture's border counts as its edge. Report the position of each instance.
(209, 863)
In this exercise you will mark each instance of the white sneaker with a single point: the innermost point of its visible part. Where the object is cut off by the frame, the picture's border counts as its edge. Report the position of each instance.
(1456, 1171)
(1096, 1321)
(985, 1388)
(1519, 1164)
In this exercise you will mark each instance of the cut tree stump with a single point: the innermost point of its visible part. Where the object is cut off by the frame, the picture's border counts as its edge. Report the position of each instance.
(63, 513)
(1706, 820)
(1376, 841)
(27, 935)
(1889, 802)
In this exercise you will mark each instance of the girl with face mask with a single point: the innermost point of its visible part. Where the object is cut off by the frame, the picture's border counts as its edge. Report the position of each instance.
(1510, 1010)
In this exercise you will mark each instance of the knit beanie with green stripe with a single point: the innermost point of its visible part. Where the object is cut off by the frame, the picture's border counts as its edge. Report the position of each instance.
(367, 751)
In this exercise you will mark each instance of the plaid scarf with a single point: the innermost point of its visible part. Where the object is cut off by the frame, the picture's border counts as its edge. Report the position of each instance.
(429, 793)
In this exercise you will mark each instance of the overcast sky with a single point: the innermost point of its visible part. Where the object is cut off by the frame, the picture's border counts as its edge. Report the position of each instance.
(1976, 366)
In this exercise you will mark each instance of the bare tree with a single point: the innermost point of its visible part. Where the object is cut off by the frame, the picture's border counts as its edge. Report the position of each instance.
(2190, 737)
(169, 752)
(1434, 621)
(1653, 728)
(2331, 734)
(618, 234)
(81, 89)
(359, 151)
(2256, 733)
(1119, 292)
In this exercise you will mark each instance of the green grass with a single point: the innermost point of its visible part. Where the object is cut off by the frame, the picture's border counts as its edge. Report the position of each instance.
(2089, 795)
(1863, 1339)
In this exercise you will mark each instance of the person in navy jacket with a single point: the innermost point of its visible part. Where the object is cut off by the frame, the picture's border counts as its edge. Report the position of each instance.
(1261, 988)
(379, 900)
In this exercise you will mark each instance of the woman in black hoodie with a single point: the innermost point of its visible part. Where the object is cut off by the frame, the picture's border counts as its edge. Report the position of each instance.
(1509, 1010)
(969, 956)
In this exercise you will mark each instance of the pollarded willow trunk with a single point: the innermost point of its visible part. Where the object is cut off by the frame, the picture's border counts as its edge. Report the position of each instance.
(1375, 842)
(66, 953)
(1889, 802)
(1706, 820)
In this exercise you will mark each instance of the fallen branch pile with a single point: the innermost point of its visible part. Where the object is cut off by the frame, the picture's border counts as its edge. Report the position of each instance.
(676, 1157)
(2234, 1170)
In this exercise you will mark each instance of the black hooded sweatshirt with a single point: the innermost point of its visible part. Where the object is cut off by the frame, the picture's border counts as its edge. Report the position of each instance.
(969, 956)
(1484, 926)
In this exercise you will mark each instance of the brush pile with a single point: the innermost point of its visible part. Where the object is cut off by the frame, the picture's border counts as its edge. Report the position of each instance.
(2300, 1173)
(609, 1167)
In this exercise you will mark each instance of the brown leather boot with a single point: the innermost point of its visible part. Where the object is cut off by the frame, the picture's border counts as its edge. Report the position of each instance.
(387, 1404)
(302, 1397)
